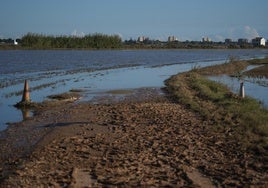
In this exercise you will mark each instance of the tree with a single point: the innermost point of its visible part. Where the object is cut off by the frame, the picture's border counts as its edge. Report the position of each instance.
(95, 41)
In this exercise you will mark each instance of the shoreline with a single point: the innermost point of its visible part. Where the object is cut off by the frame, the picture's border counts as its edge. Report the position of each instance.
(149, 47)
(147, 138)
(139, 141)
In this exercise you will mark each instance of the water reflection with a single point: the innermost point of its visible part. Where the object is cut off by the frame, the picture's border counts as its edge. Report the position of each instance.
(254, 87)
(261, 81)
(26, 113)
(55, 72)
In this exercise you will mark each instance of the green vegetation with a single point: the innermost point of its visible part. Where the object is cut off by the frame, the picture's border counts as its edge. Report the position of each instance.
(227, 111)
(232, 67)
(95, 41)
(103, 41)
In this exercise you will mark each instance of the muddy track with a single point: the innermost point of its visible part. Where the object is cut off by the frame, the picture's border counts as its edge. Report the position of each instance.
(145, 141)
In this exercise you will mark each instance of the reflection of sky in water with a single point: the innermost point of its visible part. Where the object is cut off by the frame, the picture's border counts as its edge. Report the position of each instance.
(252, 88)
(104, 80)
(92, 83)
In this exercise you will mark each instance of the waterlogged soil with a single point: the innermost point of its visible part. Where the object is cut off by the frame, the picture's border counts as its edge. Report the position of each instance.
(259, 72)
(142, 140)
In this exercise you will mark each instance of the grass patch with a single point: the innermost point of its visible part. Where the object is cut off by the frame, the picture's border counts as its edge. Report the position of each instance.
(258, 61)
(215, 103)
(234, 67)
(196, 92)
(231, 67)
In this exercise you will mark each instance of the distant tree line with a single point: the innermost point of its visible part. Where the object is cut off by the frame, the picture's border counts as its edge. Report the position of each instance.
(94, 41)
(103, 41)
(7, 41)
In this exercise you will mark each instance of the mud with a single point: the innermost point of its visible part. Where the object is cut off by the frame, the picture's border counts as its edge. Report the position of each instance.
(142, 140)
(259, 72)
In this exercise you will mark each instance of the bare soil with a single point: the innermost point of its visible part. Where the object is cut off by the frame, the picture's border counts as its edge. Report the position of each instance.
(142, 140)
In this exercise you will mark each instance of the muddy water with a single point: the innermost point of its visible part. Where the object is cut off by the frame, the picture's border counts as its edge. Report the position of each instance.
(95, 72)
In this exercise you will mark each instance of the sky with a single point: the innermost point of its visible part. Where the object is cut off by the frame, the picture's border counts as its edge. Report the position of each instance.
(156, 19)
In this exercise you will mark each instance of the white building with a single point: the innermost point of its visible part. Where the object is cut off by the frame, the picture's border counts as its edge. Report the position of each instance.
(141, 38)
(258, 41)
(172, 39)
(15, 42)
(206, 39)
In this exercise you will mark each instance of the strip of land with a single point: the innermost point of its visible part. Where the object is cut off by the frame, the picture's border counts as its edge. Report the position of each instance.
(198, 134)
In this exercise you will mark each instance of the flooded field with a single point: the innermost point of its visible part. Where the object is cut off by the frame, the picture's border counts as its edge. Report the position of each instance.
(254, 87)
(96, 72)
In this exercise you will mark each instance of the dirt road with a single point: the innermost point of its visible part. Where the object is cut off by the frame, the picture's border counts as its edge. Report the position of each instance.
(144, 139)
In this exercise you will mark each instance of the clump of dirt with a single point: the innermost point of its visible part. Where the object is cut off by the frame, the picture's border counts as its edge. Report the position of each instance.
(65, 96)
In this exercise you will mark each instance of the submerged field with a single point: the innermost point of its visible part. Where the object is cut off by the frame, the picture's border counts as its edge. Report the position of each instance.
(197, 134)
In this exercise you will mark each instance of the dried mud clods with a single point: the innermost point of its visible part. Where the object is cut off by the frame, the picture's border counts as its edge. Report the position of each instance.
(136, 144)
(120, 145)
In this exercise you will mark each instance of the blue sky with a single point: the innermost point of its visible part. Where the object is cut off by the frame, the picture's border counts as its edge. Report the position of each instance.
(156, 19)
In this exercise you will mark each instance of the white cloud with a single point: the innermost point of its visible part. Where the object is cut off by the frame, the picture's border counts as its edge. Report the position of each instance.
(245, 32)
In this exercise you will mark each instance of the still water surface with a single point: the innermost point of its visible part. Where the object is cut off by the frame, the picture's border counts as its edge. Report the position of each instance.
(58, 71)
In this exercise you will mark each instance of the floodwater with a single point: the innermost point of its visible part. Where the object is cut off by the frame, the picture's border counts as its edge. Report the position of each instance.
(254, 87)
(57, 71)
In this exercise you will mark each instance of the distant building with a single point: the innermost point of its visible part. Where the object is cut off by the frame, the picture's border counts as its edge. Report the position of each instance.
(141, 38)
(258, 41)
(172, 39)
(228, 41)
(15, 42)
(206, 39)
(242, 41)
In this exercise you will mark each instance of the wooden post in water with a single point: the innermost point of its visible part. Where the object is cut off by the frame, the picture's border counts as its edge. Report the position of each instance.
(26, 93)
(242, 90)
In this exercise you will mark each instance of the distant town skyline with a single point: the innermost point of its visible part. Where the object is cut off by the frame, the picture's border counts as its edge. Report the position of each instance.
(157, 19)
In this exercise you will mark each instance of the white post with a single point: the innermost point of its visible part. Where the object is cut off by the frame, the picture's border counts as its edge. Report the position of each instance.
(242, 90)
